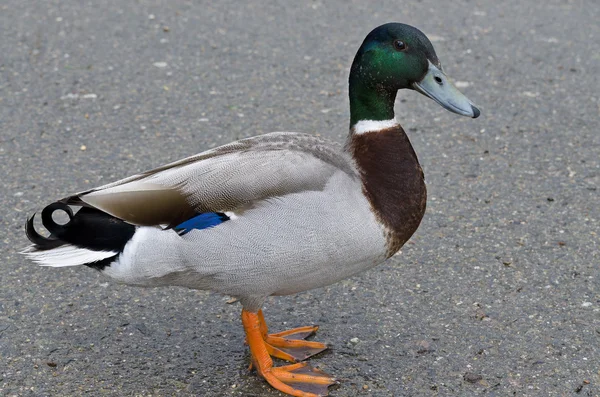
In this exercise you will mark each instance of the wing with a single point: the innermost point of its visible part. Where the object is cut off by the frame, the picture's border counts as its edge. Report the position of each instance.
(227, 178)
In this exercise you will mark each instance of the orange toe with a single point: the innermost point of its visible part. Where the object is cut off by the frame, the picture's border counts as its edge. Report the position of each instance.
(290, 345)
(305, 378)
(298, 333)
(293, 350)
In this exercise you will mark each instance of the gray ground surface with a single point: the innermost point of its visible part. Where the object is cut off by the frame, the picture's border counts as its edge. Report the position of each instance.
(498, 292)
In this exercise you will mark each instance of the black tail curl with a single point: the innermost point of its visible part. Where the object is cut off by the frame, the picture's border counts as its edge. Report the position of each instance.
(41, 243)
(46, 243)
(88, 228)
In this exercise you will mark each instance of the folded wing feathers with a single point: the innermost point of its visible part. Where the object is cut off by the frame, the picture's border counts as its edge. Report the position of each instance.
(144, 204)
(221, 179)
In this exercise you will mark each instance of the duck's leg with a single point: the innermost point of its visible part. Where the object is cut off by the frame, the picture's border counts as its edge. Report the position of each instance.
(299, 380)
(290, 345)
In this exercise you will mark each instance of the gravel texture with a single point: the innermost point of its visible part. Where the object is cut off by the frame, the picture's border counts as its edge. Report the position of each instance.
(497, 294)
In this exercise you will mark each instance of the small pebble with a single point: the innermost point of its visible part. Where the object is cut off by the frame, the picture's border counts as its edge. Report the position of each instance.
(83, 148)
(472, 378)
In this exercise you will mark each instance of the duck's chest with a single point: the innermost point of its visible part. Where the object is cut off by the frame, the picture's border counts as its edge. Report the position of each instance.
(392, 181)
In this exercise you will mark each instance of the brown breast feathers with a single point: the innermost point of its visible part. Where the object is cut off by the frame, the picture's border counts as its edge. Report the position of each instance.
(393, 182)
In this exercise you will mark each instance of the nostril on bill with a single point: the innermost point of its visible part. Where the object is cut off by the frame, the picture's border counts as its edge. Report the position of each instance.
(438, 80)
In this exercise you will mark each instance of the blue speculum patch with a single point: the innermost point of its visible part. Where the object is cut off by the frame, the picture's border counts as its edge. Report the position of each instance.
(202, 221)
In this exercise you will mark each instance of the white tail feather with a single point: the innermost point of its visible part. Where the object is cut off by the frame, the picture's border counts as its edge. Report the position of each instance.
(65, 255)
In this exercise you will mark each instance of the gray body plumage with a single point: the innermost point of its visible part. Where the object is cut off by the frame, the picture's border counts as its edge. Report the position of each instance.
(299, 219)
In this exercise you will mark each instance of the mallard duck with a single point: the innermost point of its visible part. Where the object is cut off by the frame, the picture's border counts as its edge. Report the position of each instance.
(274, 214)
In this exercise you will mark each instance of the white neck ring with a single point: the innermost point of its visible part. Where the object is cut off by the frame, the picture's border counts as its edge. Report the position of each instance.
(364, 126)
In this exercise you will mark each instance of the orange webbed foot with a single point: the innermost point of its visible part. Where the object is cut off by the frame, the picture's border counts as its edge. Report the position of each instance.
(299, 380)
(290, 345)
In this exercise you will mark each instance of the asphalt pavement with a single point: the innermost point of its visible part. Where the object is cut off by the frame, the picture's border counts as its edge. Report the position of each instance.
(498, 292)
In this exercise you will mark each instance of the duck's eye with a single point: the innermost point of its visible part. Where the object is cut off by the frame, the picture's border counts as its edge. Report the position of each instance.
(399, 45)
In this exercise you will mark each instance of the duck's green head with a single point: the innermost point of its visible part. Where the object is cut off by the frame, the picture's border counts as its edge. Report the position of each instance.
(395, 56)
